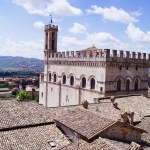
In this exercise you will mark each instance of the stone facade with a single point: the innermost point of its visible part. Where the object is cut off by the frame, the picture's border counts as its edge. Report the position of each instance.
(71, 77)
(122, 132)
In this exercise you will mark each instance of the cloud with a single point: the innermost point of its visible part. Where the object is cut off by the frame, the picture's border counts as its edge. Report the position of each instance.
(101, 40)
(28, 49)
(137, 35)
(46, 7)
(112, 13)
(136, 13)
(38, 24)
(77, 28)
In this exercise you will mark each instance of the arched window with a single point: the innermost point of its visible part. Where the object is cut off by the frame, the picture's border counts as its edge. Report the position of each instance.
(128, 85)
(53, 34)
(71, 80)
(50, 77)
(83, 82)
(120, 67)
(92, 83)
(64, 79)
(54, 77)
(119, 85)
(52, 44)
(136, 84)
(127, 68)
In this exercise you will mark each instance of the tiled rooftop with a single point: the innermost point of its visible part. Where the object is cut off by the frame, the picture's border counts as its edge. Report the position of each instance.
(136, 104)
(145, 124)
(84, 122)
(15, 113)
(98, 144)
(35, 138)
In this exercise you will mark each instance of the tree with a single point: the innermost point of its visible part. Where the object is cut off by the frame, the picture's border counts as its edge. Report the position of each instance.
(37, 98)
(23, 95)
(36, 82)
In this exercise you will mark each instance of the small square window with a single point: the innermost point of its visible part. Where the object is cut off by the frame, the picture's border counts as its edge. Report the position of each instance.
(52, 144)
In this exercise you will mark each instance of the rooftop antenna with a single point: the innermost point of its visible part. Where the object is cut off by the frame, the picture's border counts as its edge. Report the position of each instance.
(51, 21)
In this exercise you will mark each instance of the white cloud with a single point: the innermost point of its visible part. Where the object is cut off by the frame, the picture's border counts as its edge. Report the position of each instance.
(25, 49)
(136, 13)
(112, 13)
(137, 35)
(77, 28)
(46, 7)
(38, 24)
(101, 40)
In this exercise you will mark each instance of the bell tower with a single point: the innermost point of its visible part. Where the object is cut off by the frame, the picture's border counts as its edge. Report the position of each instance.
(51, 38)
(50, 47)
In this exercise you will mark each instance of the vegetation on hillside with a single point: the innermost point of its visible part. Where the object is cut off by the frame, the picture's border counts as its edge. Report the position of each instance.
(9, 63)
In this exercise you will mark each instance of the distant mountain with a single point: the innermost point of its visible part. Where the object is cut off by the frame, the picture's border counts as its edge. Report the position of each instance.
(20, 63)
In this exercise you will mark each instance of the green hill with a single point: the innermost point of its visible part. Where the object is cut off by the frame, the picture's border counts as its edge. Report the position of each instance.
(8, 63)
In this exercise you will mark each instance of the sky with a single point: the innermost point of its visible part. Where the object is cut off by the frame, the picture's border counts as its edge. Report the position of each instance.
(106, 24)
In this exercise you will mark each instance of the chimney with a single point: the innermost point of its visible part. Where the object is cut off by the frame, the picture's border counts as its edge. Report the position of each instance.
(85, 104)
(124, 117)
(113, 102)
(131, 116)
(112, 99)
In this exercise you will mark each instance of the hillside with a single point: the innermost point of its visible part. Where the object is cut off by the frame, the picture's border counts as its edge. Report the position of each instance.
(20, 63)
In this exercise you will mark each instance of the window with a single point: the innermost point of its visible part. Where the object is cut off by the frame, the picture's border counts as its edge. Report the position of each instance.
(50, 77)
(54, 77)
(53, 44)
(136, 84)
(120, 67)
(119, 85)
(128, 85)
(52, 144)
(136, 68)
(42, 78)
(83, 82)
(53, 34)
(42, 94)
(64, 79)
(127, 68)
(101, 89)
(71, 80)
(92, 83)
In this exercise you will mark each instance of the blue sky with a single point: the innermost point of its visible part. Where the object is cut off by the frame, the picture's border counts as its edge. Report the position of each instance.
(114, 24)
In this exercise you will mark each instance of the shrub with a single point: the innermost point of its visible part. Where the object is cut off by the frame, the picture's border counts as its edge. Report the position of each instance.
(23, 95)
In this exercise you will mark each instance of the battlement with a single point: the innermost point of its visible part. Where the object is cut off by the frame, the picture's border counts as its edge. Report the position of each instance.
(100, 55)
(49, 26)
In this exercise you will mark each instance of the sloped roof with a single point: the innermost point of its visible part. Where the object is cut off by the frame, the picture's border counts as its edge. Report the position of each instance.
(92, 48)
(84, 122)
(33, 138)
(87, 123)
(98, 144)
(137, 104)
(145, 124)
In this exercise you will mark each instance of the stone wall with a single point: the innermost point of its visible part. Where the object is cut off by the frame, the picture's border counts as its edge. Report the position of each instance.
(122, 132)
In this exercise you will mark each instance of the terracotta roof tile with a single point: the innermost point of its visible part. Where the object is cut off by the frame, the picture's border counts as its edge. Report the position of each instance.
(35, 138)
(84, 122)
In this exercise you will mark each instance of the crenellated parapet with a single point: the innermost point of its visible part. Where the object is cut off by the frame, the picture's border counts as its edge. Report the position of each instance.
(101, 55)
(50, 26)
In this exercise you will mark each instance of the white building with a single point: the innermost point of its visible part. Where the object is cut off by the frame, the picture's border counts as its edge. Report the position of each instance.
(71, 77)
